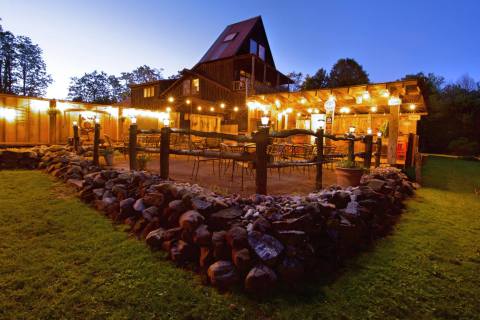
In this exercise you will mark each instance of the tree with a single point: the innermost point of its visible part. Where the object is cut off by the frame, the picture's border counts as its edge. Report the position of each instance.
(141, 74)
(94, 87)
(297, 78)
(347, 72)
(318, 80)
(7, 62)
(467, 83)
(31, 73)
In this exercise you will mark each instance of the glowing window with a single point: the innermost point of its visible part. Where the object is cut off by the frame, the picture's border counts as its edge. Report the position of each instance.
(195, 86)
(148, 92)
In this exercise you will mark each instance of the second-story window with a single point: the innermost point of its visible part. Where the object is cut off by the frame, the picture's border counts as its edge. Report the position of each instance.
(148, 92)
(253, 46)
(261, 52)
(195, 86)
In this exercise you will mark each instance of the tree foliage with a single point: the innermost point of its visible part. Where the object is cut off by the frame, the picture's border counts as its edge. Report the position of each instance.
(347, 72)
(22, 68)
(297, 78)
(99, 87)
(319, 80)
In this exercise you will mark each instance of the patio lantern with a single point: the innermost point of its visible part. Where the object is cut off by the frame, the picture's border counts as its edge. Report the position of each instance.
(369, 131)
(134, 120)
(351, 130)
(222, 105)
(235, 109)
(379, 134)
(373, 109)
(322, 124)
(171, 99)
(187, 101)
(166, 122)
(412, 107)
(265, 120)
(309, 110)
(97, 120)
(168, 109)
(75, 123)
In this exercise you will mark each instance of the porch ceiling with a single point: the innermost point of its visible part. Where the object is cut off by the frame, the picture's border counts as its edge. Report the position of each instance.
(358, 99)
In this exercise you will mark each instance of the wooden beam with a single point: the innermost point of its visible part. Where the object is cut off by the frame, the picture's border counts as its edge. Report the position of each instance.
(393, 134)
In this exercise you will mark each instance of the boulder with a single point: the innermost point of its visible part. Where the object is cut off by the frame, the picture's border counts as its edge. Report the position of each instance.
(201, 236)
(237, 237)
(291, 269)
(242, 259)
(181, 252)
(292, 237)
(149, 213)
(267, 248)
(138, 205)
(377, 185)
(220, 246)
(154, 199)
(155, 238)
(260, 279)
(340, 199)
(222, 274)
(223, 219)
(190, 220)
(206, 257)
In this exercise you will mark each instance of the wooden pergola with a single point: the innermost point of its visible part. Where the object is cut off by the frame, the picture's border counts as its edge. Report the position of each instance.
(397, 104)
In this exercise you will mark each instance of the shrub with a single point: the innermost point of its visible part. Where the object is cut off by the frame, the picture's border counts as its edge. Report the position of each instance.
(463, 147)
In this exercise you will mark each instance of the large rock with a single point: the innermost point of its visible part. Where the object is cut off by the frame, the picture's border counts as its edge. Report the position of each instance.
(376, 184)
(340, 199)
(222, 274)
(154, 199)
(292, 237)
(190, 220)
(155, 238)
(223, 219)
(221, 251)
(237, 237)
(182, 252)
(260, 279)
(267, 248)
(242, 259)
(202, 236)
(291, 269)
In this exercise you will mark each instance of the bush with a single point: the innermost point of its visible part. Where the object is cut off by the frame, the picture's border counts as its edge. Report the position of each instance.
(463, 147)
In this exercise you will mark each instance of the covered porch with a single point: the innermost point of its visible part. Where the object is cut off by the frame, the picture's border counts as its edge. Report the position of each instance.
(390, 110)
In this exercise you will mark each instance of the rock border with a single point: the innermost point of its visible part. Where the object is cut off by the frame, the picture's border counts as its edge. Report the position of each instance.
(254, 242)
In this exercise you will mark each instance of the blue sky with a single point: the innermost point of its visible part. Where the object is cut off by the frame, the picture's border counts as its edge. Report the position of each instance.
(389, 38)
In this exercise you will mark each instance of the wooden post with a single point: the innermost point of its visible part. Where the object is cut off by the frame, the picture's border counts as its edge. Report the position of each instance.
(261, 142)
(368, 150)
(52, 122)
(319, 160)
(351, 148)
(96, 143)
(164, 152)
(379, 152)
(76, 138)
(409, 158)
(132, 146)
(393, 134)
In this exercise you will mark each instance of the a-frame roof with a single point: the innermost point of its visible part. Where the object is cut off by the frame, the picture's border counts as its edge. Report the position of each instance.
(223, 48)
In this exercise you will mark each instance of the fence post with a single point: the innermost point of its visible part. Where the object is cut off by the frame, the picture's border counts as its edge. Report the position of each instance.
(409, 157)
(96, 142)
(351, 148)
(164, 152)
(319, 160)
(379, 152)
(76, 138)
(368, 150)
(261, 143)
(132, 146)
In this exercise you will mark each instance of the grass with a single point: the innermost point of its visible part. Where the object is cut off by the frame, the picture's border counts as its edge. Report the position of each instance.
(61, 259)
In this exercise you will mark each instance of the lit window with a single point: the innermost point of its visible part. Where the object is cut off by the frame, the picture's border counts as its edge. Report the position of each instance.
(148, 92)
(261, 52)
(195, 86)
(253, 46)
(230, 37)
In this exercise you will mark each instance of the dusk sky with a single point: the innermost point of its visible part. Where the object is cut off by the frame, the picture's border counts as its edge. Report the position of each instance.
(390, 39)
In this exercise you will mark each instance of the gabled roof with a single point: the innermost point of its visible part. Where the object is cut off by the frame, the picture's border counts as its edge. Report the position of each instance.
(222, 49)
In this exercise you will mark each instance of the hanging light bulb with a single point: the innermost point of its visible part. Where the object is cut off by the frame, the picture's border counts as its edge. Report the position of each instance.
(168, 109)
(235, 109)
(199, 108)
(75, 123)
(222, 105)
(412, 106)
(188, 101)
(373, 109)
(171, 99)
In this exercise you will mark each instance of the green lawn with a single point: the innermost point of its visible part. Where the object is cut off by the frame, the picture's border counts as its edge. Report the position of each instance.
(61, 259)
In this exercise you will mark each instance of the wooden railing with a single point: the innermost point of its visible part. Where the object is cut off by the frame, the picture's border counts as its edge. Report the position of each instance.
(262, 139)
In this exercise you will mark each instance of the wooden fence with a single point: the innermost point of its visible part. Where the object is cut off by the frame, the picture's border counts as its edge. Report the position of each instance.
(260, 159)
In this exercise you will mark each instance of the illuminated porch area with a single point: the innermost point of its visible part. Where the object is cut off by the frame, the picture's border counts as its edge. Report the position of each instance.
(390, 110)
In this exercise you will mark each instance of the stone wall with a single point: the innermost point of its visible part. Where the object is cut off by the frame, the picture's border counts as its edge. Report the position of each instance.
(250, 242)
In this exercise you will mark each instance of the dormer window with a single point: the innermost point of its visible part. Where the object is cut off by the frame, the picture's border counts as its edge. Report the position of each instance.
(148, 92)
(230, 37)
